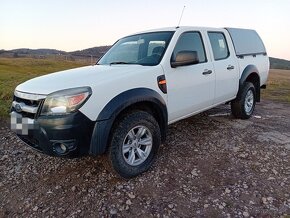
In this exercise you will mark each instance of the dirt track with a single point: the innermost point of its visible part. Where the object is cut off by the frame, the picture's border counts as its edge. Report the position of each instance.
(211, 166)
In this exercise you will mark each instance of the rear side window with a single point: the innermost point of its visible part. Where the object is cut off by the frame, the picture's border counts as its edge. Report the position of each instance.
(191, 41)
(219, 45)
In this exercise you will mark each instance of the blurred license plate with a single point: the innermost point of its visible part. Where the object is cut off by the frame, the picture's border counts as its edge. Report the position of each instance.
(21, 125)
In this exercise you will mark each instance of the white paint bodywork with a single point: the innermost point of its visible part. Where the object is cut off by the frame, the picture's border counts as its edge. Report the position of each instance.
(106, 83)
(189, 91)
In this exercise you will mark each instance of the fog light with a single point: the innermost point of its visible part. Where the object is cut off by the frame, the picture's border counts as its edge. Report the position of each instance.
(60, 148)
(63, 147)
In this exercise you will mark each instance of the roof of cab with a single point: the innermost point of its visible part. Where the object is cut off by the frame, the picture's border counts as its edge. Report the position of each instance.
(180, 28)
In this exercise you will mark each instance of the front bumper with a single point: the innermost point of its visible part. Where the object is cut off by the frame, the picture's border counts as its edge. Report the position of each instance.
(64, 136)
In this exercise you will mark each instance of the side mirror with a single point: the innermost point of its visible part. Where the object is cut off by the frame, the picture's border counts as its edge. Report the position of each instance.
(184, 58)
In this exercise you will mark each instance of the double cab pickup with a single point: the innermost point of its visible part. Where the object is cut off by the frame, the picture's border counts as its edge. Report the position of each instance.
(123, 104)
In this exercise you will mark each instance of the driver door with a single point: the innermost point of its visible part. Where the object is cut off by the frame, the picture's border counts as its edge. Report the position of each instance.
(190, 88)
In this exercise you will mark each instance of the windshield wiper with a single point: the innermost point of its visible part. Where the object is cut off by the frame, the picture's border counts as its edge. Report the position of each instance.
(119, 62)
(122, 62)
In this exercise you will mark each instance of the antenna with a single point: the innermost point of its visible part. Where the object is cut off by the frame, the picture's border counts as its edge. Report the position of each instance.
(181, 16)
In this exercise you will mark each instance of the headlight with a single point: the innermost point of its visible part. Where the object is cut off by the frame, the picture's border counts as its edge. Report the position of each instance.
(65, 101)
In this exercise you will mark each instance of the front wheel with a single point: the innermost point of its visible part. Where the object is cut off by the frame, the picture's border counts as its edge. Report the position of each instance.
(134, 144)
(243, 106)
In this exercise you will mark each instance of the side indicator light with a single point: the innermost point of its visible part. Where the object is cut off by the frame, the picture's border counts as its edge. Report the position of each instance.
(161, 81)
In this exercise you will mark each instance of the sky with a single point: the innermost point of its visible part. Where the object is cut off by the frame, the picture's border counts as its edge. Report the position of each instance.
(75, 25)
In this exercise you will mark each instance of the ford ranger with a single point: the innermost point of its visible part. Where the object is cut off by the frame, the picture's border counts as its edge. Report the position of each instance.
(123, 104)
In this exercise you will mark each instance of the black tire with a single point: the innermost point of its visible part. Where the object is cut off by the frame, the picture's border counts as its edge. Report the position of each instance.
(239, 105)
(131, 121)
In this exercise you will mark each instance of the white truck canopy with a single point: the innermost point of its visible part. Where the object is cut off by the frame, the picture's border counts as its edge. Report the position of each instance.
(246, 42)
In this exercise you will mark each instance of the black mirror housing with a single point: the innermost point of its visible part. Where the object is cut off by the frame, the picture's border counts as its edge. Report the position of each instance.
(184, 58)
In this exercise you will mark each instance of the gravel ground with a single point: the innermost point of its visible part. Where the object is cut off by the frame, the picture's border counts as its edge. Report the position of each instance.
(211, 166)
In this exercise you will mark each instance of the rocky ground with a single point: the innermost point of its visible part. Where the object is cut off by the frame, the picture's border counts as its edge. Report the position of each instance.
(211, 166)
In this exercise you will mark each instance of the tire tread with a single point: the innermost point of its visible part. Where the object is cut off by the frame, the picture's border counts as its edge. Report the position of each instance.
(237, 105)
(120, 131)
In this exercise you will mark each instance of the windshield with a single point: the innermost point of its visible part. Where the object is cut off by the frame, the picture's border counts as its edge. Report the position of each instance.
(144, 49)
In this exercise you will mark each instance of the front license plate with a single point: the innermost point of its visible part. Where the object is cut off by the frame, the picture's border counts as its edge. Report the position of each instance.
(21, 125)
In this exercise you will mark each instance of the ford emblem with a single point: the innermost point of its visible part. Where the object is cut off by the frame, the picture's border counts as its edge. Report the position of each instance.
(18, 108)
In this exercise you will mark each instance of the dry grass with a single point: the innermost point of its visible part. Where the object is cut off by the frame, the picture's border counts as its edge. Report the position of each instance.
(14, 71)
(278, 86)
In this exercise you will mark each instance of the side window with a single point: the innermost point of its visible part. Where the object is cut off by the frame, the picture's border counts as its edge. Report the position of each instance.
(219, 45)
(191, 41)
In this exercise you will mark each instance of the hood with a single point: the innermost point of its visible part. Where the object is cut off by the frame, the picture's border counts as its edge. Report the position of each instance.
(78, 77)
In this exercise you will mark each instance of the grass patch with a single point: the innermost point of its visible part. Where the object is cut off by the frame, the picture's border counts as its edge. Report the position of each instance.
(278, 86)
(14, 71)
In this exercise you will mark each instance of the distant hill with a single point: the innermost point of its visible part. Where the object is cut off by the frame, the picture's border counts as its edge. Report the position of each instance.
(30, 52)
(97, 52)
(276, 63)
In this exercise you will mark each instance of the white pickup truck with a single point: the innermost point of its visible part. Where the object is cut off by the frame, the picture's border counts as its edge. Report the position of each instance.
(123, 105)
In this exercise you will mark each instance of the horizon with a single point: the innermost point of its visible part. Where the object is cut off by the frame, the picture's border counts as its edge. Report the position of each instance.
(72, 25)
(97, 47)
(53, 48)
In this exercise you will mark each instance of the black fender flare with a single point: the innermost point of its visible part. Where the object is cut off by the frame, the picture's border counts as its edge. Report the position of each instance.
(115, 106)
(247, 72)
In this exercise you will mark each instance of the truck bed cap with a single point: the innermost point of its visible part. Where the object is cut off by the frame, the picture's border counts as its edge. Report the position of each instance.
(246, 41)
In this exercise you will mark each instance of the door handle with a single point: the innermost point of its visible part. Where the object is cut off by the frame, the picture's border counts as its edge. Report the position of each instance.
(206, 72)
(230, 67)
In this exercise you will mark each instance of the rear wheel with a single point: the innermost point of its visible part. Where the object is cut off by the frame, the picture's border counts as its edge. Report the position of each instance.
(243, 106)
(134, 144)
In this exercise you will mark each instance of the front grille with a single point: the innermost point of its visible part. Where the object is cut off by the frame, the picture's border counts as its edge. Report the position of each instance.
(27, 104)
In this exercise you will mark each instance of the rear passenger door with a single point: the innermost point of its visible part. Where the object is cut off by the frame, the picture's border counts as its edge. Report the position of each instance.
(190, 88)
(225, 65)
